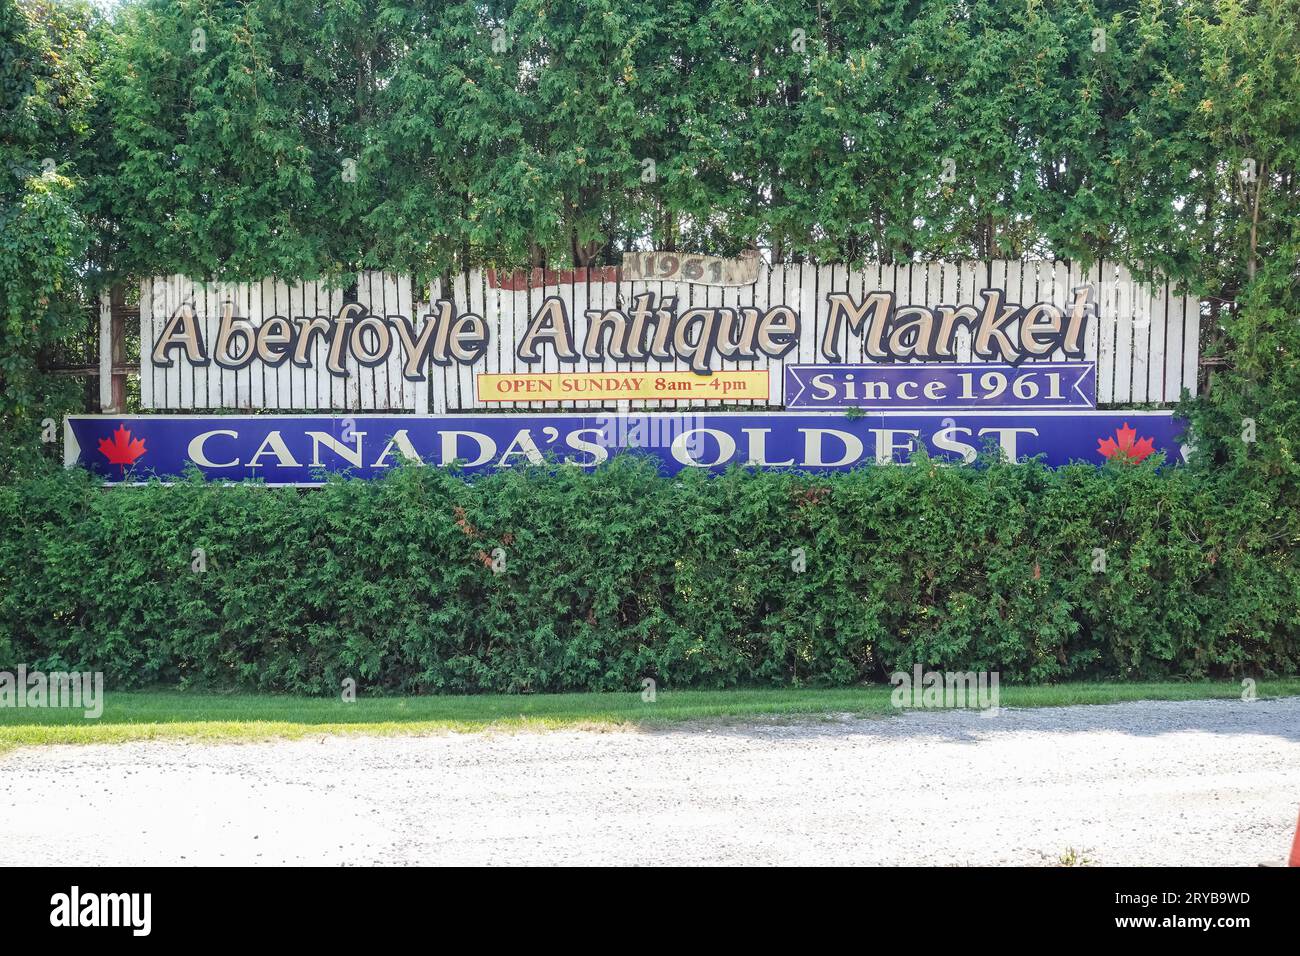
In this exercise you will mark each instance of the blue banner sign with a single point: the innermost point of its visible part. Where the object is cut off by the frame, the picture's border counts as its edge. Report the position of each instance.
(919, 385)
(301, 449)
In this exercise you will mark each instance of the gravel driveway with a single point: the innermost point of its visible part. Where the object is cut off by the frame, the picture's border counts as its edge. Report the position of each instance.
(1207, 782)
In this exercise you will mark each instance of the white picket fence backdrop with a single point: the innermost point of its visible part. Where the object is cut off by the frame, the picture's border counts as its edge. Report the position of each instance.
(1145, 341)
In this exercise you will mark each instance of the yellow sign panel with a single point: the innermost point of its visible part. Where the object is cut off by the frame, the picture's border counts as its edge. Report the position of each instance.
(605, 386)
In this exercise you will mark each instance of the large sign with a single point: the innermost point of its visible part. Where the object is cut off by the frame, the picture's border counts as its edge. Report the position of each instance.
(536, 341)
(303, 449)
(871, 363)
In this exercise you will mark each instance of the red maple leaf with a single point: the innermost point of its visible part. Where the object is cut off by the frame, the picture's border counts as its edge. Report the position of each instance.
(1127, 449)
(123, 449)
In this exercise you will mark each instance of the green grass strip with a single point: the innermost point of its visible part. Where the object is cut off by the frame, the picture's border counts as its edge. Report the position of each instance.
(163, 715)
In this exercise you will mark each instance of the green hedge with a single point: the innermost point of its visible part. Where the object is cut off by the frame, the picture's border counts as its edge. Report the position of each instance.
(620, 574)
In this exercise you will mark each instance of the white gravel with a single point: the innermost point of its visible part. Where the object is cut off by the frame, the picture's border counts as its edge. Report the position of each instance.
(1206, 782)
